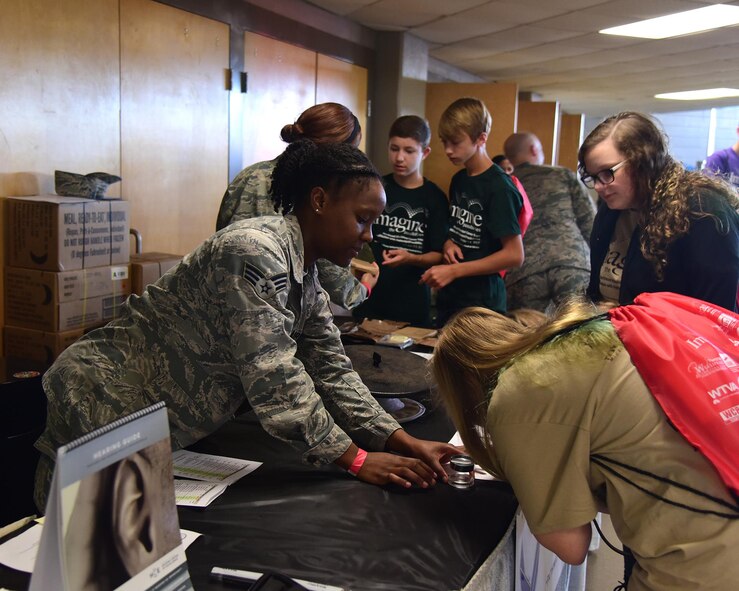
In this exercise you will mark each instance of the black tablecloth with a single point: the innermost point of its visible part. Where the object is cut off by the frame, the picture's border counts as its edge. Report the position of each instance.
(325, 526)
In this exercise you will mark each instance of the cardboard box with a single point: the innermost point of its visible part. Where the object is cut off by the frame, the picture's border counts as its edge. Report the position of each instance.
(76, 314)
(42, 287)
(147, 267)
(38, 345)
(66, 233)
(54, 302)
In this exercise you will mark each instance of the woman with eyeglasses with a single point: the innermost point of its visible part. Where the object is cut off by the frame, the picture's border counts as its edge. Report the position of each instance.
(658, 227)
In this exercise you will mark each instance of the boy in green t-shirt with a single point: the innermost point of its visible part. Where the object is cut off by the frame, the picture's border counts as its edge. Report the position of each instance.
(484, 237)
(410, 233)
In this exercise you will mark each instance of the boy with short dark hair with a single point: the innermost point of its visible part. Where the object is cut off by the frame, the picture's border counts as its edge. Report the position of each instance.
(484, 237)
(410, 233)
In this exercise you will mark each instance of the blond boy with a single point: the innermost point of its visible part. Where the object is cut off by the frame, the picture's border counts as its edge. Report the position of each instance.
(484, 236)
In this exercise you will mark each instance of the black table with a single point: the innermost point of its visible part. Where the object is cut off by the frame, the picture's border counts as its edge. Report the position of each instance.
(22, 420)
(325, 526)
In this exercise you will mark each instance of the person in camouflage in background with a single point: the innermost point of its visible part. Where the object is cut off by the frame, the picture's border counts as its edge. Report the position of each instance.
(243, 318)
(557, 253)
(248, 194)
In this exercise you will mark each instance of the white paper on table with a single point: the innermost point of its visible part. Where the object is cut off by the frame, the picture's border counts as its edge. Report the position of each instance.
(210, 468)
(423, 354)
(195, 493)
(19, 553)
(480, 474)
(188, 537)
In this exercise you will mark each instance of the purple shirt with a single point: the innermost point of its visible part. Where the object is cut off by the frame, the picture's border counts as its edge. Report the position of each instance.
(726, 163)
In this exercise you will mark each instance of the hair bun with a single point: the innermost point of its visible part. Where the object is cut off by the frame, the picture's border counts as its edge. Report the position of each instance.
(291, 132)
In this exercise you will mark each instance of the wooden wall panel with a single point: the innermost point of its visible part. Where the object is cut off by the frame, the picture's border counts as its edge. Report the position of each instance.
(338, 81)
(3, 248)
(281, 85)
(500, 99)
(541, 118)
(174, 123)
(570, 138)
(59, 101)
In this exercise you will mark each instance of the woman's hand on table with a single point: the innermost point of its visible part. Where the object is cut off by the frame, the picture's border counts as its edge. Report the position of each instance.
(432, 453)
(385, 468)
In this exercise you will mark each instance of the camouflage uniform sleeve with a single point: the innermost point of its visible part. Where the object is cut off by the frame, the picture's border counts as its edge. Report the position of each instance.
(230, 202)
(343, 288)
(248, 195)
(582, 205)
(253, 276)
(346, 397)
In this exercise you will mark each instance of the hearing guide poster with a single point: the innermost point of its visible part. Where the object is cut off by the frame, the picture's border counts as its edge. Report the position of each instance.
(111, 519)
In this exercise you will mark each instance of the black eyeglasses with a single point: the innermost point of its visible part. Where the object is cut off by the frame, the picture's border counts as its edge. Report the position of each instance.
(604, 177)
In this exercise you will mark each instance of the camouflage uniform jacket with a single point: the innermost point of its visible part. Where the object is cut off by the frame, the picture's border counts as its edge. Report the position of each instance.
(559, 233)
(240, 318)
(248, 197)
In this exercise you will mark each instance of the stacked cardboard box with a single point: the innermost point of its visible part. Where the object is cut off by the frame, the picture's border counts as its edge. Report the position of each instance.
(67, 271)
(147, 267)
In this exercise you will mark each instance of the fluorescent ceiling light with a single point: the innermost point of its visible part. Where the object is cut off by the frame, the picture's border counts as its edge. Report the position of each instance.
(680, 23)
(697, 95)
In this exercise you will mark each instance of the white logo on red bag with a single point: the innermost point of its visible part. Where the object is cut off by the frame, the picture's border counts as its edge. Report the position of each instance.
(728, 361)
(727, 321)
(697, 342)
(731, 388)
(730, 415)
(711, 366)
(707, 309)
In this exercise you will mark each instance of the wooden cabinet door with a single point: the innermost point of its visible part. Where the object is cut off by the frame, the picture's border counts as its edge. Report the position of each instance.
(570, 138)
(338, 81)
(542, 119)
(174, 123)
(281, 84)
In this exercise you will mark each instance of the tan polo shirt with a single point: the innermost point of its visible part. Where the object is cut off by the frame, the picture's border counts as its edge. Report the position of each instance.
(555, 408)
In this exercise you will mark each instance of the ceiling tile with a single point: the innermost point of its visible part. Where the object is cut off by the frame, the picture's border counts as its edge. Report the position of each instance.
(341, 7)
(553, 48)
(414, 13)
(500, 42)
(481, 20)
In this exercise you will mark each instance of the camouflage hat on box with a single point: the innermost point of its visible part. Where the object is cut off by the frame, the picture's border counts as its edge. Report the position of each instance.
(91, 186)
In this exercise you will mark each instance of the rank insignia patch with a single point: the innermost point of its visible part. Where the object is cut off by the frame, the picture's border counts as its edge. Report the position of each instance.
(265, 287)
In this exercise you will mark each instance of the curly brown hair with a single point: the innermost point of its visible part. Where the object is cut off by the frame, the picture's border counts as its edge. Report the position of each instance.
(669, 196)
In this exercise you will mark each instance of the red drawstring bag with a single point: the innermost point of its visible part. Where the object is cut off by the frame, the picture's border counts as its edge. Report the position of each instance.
(687, 351)
(526, 213)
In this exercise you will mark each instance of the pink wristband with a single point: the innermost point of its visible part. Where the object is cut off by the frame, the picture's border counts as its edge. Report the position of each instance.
(358, 462)
(368, 288)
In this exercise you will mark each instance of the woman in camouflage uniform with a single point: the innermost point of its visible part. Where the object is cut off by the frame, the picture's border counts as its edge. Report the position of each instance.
(243, 318)
(248, 194)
